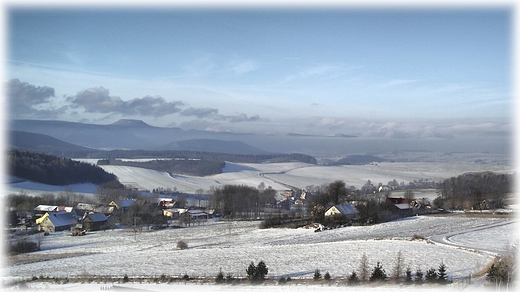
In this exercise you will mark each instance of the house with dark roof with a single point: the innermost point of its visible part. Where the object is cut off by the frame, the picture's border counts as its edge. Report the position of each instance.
(122, 205)
(56, 221)
(95, 221)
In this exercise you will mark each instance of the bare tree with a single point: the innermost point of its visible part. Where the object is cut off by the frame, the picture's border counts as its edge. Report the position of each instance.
(364, 269)
(399, 266)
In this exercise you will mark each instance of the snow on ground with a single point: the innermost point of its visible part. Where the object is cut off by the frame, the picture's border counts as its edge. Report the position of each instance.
(34, 188)
(301, 175)
(231, 246)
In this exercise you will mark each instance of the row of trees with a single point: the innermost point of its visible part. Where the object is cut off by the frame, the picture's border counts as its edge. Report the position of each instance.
(467, 191)
(234, 201)
(256, 274)
(49, 169)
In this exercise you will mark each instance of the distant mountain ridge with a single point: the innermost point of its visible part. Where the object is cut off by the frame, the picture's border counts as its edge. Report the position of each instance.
(43, 143)
(130, 123)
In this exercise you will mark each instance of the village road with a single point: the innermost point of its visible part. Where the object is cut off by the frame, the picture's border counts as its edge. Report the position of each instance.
(449, 239)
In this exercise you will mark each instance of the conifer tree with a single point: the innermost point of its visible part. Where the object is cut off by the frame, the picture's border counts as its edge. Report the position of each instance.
(353, 279)
(317, 275)
(378, 274)
(442, 276)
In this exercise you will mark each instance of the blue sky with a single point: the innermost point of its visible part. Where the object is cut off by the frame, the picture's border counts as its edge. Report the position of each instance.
(373, 71)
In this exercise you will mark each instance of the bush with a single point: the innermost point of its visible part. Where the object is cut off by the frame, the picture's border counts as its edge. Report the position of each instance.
(182, 245)
(23, 246)
(282, 281)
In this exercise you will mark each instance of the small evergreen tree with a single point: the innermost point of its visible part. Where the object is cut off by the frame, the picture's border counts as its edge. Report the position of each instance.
(431, 276)
(282, 281)
(256, 274)
(442, 276)
(418, 276)
(317, 275)
(408, 278)
(378, 274)
(261, 271)
(220, 277)
(353, 279)
(327, 276)
(251, 272)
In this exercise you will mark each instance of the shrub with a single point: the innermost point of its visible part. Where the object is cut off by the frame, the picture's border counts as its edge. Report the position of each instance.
(282, 281)
(186, 277)
(182, 245)
(125, 278)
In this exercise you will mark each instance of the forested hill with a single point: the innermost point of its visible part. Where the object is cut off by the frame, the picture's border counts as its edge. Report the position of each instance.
(52, 170)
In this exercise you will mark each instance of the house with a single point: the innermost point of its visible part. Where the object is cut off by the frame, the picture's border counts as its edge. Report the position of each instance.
(173, 213)
(404, 209)
(166, 203)
(347, 210)
(56, 221)
(40, 210)
(95, 221)
(122, 205)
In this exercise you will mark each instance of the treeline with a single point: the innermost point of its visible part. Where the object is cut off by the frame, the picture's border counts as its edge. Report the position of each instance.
(479, 190)
(197, 167)
(237, 158)
(52, 170)
(234, 201)
(192, 162)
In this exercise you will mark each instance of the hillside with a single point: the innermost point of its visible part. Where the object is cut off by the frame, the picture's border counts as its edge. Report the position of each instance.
(52, 170)
(46, 144)
(213, 145)
(358, 160)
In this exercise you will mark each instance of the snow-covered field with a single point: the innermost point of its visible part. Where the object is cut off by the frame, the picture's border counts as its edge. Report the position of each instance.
(298, 174)
(231, 246)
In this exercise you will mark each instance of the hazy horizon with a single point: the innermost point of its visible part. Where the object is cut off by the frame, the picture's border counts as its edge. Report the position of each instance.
(396, 73)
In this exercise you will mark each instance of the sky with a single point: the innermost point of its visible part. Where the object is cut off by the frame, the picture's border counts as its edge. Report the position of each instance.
(327, 70)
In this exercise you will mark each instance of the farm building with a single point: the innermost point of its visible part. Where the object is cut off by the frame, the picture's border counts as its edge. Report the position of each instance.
(56, 221)
(347, 210)
(122, 205)
(95, 221)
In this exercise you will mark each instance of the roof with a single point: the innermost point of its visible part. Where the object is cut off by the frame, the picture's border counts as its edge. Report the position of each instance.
(402, 206)
(85, 206)
(346, 209)
(125, 203)
(97, 217)
(61, 218)
(45, 208)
